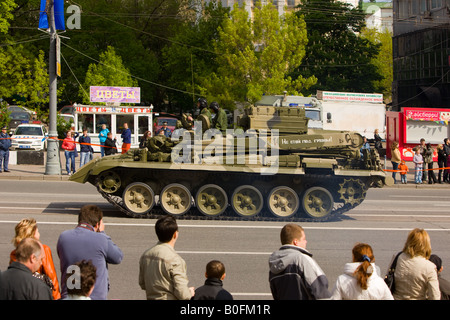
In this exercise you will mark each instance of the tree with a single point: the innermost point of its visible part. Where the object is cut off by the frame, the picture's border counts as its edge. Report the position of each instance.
(24, 78)
(109, 71)
(255, 56)
(6, 8)
(383, 61)
(336, 54)
(189, 57)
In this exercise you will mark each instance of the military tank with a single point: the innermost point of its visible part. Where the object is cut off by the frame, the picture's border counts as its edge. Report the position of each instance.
(274, 168)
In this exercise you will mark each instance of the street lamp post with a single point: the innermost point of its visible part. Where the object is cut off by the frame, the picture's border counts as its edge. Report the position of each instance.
(53, 165)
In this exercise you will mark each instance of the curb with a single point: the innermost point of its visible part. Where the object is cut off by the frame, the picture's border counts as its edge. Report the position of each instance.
(35, 177)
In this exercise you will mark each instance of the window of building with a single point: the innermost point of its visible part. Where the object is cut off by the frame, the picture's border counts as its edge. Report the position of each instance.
(435, 4)
(102, 119)
(86, 121)
(423, 6)
(121, 119)
(415, 7)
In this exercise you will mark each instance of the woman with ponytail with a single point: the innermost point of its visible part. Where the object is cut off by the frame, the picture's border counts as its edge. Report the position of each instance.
(361, 280)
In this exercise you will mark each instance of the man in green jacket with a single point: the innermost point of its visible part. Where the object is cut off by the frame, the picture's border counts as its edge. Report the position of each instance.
(220, 120)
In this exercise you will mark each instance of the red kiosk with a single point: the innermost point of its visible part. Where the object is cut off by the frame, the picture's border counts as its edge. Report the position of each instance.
(411, 124)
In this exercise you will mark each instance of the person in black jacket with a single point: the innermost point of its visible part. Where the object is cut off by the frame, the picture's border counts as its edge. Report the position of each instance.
(442, 161)
(18, 282)
(213, 290)
(294, 274)
(110, 145)
(446, 148)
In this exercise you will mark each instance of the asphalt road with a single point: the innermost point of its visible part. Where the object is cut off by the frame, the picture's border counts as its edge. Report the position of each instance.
(383, 220)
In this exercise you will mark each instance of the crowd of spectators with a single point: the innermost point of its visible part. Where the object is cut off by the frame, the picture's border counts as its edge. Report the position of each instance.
(85, 251)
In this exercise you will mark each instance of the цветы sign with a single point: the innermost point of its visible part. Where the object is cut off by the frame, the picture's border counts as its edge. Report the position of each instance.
(115, 94)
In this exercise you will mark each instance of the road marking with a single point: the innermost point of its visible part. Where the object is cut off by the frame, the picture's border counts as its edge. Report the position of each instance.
(278, 227)
(226, 252)
(416, 197)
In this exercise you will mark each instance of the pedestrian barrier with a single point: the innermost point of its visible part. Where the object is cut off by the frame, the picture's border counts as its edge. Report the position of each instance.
(390, 170)
(88, 144)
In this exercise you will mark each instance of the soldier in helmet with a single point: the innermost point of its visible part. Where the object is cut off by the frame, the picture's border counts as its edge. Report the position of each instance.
(220, 120)
(202, 104)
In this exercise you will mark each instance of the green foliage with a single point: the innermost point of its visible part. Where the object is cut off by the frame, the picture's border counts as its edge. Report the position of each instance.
(336, 54)
(62, 126)
(176, 53)
(189, 58)
(4, 114)
(110, 71)
(255, 56)
(6, 8)
(24, 77)
(122, 25)
(383, 60)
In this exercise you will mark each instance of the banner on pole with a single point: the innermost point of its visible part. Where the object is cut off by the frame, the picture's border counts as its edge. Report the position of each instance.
(58, 14)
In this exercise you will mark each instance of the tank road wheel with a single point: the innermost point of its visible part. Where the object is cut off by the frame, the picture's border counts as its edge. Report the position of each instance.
(247, 201)
(109, 181)
(211, 200)
(175, 199)
(352, 191)
(138, 198)
(317, 202)
(283, 202)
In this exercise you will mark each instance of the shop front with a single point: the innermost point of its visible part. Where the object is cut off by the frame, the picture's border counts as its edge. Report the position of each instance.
(138, 118)
(410, 125)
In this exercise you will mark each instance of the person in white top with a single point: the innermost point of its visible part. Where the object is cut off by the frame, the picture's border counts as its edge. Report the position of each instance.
(360, 280)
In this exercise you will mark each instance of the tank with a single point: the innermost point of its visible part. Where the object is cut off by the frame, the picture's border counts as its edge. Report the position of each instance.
(272, 168)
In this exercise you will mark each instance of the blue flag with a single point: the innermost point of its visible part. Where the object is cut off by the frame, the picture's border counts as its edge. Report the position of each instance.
(59, 14)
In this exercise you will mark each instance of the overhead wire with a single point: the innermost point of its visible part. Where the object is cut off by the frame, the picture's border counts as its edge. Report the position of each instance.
(84, 91)
(425, 90)
(127, 73)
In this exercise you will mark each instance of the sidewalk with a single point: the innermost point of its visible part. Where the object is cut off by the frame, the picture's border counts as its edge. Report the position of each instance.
(37, 172)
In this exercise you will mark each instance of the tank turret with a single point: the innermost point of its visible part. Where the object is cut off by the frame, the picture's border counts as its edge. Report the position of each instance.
(272, 168)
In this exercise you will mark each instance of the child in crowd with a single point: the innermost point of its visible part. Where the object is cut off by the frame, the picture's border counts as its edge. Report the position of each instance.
(81, 283)
(418, 161)
(212, 290)
(403, 168)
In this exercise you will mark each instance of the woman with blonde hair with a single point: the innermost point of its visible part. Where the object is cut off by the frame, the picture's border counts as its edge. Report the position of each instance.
(361, 280)
(27, 228)
(416, 276)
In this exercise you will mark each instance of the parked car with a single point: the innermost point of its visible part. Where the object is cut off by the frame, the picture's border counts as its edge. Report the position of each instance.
(32, 113)
(17, 118)
(67, 110)
(29, 136)
(171, 123)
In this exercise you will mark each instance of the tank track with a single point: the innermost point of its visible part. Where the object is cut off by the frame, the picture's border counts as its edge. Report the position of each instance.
(229, 214)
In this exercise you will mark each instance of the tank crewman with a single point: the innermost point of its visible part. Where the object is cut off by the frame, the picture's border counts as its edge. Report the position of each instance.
(220, 120)
(202, 104)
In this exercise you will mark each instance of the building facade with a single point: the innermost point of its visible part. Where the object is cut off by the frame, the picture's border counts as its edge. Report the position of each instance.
(421, 53)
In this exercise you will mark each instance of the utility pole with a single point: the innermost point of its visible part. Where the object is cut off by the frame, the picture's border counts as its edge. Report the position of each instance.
(53, 165)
